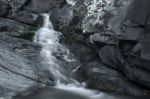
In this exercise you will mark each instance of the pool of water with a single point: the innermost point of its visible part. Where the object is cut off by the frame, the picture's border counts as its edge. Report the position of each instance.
(55, 93)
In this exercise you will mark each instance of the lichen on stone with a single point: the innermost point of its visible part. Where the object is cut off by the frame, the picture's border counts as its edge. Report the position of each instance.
(98, 11)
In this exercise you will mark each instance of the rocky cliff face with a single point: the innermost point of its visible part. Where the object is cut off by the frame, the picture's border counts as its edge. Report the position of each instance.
(109, 37)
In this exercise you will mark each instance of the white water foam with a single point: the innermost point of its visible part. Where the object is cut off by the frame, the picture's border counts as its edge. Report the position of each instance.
(71, 2)
(2, 98)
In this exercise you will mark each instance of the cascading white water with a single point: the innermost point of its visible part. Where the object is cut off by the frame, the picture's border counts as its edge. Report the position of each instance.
(49, 39)
(71, 2)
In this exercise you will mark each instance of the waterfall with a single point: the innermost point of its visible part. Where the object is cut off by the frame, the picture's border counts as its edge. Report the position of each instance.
(49, 40)
(51, 49)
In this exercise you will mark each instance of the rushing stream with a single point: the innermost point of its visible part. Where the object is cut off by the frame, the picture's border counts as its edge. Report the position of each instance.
(49, 39)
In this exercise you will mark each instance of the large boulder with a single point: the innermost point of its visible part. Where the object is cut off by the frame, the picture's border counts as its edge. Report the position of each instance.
(14, 26)
(138, 75)
(27, 18)
(21, 70)
(111, 56)
(16, 74)
(104, 78)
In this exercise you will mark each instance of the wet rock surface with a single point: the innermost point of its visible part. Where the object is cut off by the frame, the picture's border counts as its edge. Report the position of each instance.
(109, 37)
(113, 44)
